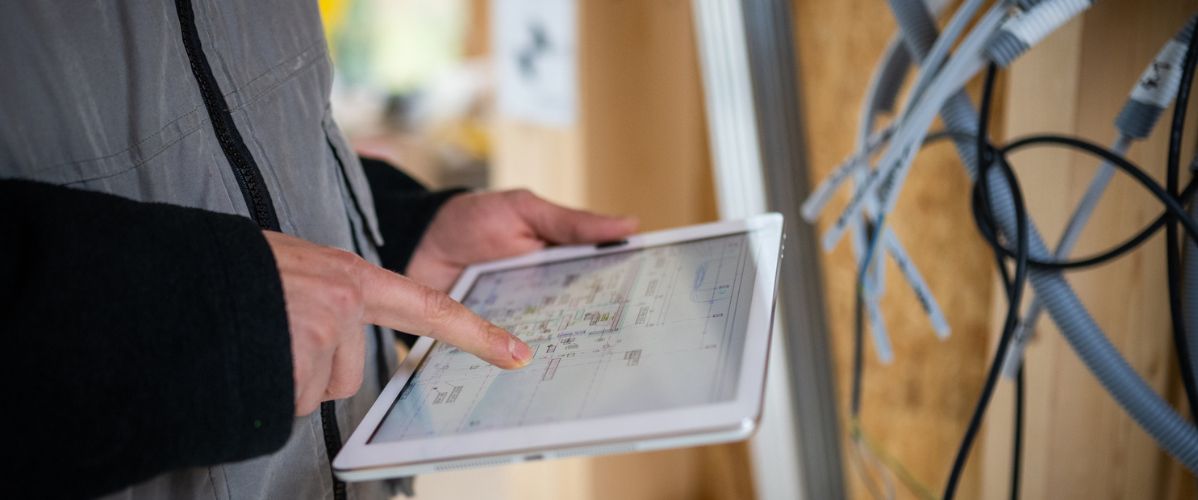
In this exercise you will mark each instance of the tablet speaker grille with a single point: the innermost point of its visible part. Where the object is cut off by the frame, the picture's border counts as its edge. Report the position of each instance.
(470, 464)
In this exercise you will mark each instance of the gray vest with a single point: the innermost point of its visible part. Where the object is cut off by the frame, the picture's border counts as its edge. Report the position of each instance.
(100, 96)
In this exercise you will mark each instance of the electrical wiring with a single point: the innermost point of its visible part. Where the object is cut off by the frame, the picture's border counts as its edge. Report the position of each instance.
(935, 58)
(1017, 430)
(1017, 434)
(865, 462)
(895, 164)
(886, 181)
(904, 475)
(1073, 230)
(868, 466)
(999, 36)
(881, 94)
(866, 449)
(858, 351)
(1030, 26)
(994, 16)
(1020, 382)
(981, 192)
(1173, 206)
(1168, 197)
(1156, 88)
(857, 162)
(1153, 91)
(1190, 283)
(1114, 252)
(914, 278)
(1172, 246)
(864, 263)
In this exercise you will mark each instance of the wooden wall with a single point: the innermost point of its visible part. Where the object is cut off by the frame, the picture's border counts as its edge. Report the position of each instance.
(1079, 444)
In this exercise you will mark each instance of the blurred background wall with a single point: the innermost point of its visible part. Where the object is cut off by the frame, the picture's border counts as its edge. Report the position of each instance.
(599, 104)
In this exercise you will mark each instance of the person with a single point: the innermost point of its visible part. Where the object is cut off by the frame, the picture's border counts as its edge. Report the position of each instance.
(197, 274)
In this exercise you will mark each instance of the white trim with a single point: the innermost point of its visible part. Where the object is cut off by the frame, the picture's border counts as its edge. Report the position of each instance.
(740, 191)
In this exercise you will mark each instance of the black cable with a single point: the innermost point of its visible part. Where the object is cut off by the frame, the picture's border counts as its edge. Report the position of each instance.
(858, 348)
(1017, 434)
(989, 156)
(1173, 206)
(987, 159)
(1169, 196)
(1100, 258)
(1017, 431)
(1104, 256)
(1172, 246)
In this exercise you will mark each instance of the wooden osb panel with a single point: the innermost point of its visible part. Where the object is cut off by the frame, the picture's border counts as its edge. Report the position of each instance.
(1079, 443)
(917, 407)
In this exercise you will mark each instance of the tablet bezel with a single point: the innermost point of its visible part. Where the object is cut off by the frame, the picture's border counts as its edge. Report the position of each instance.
(741, 412)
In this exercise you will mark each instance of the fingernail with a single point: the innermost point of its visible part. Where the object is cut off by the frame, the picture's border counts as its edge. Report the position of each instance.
(519, 351)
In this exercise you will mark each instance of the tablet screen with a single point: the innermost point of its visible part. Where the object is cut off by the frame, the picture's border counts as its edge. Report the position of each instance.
(646, 329)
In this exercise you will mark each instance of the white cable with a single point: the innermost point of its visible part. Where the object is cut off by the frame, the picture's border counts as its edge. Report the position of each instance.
(1024, 30)
(857, 167)
(944, 42)
(886, 181)
(918, 285)
(859, 161)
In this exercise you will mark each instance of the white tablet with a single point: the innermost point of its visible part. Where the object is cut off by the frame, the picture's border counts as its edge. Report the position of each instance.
(656, 342)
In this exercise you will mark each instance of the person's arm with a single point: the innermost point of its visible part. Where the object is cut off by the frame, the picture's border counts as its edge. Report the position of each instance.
(405, 208)
(141, 338)
(145, 337)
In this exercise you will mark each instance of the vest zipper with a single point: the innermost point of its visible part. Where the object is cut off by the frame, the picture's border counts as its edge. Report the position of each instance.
(249, 179)
(245, 169)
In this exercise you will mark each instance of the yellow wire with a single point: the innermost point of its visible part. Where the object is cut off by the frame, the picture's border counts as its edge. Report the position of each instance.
(905, 476)
(859, 465)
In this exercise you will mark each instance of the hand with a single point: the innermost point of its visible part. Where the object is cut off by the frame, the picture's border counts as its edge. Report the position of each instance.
(331, 294)
(480, 227)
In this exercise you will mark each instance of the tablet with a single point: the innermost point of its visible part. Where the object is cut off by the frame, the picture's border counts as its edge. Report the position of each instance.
(656, 342)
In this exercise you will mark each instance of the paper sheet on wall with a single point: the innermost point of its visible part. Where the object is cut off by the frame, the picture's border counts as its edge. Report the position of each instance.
(535, 47)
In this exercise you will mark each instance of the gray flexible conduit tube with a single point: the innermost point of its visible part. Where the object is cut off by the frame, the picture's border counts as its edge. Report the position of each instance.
(890, 80)
(1174, 434)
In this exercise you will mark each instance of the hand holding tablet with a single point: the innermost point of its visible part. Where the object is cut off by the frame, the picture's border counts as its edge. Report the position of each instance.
(657, 343)
(482, 227)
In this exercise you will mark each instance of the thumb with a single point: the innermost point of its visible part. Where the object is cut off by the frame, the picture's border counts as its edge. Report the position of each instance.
(557, 224)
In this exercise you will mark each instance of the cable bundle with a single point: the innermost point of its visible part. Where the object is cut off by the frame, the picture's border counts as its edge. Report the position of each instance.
(1000, 35)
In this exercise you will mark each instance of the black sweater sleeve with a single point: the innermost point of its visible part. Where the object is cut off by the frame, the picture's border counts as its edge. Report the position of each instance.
(404, 207)
(141, 338)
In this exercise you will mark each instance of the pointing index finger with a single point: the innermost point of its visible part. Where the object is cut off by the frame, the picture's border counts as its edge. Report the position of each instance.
(394, 301)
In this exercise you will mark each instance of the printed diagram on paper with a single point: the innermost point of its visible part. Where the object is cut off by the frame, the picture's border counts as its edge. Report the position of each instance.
(649, 329)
